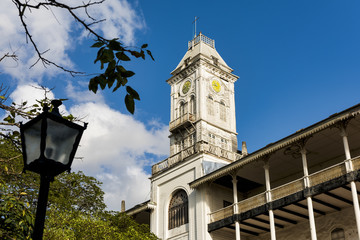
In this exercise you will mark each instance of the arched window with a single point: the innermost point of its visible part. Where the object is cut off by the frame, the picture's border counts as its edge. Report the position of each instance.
(178, 209)
(222, 111)
(338, 234)
(210, 107)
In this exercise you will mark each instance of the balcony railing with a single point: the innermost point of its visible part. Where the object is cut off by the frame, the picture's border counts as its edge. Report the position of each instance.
(186, 118)
(297, 185)
(201, 38)
(199, 147)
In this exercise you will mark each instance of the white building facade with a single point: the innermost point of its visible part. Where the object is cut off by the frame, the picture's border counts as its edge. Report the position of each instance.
(304, 186)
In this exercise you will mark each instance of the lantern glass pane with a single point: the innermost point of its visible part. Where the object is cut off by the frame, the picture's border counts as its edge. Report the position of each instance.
(32, 142)
(60, 141)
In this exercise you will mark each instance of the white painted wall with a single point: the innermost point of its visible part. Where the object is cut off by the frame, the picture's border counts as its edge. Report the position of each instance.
(324, 225)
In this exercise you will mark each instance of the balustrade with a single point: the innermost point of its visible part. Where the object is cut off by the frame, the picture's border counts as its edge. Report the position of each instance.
(287, 189)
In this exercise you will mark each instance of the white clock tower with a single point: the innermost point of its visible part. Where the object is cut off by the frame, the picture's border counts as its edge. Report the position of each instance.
(202, 99)
(202, 139)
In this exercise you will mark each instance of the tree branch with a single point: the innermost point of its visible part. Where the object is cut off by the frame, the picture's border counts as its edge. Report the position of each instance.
(22, 6)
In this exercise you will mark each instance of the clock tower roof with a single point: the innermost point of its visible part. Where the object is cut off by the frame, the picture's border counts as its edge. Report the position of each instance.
(202, 47)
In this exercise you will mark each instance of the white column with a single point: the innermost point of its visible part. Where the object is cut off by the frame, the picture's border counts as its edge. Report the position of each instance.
(308, 199)
(269, 199)
(349, 168)
(236, 209)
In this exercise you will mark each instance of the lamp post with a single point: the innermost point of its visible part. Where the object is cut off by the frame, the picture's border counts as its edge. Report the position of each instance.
(49, 144)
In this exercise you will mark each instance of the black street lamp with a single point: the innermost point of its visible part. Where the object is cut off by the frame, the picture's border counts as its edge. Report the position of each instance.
(49, 144)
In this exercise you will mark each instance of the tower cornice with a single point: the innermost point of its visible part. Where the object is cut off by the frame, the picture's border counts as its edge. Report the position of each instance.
(184, 72)
(216, 71)
(202, 61)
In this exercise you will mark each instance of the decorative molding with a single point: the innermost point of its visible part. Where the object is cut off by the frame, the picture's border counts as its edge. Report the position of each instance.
(218, 72)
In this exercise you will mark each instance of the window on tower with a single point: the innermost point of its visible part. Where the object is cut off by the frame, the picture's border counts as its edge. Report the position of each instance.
(192, 105)
(210, 106)
(224, 143)
(222, 111)
(178, 209)
(215, 60)
(192, 139)
(183, 109)
(187, 61)
(212, 138)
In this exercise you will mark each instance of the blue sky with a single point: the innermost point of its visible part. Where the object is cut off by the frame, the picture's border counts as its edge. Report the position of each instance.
(298, 63)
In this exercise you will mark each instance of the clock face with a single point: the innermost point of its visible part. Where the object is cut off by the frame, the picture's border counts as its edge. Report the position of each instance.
(216, 85)
(186, 87)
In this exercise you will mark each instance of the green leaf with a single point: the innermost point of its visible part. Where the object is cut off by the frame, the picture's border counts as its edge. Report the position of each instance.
(130, 103)
(112, 65)
(102, 81)
(118, 84)
(111, 80)
(150, 54)
(132, 92)
(120, 69)
(115, 45)
(16, 133)
(144, 45)
(135, 54)
(122, 56)
(99, 54)
(2, 97)
(9, 119)
(98, 44)
(142, 54)
(124, 81)
(93, 85)
(128, 74)
(107, 56)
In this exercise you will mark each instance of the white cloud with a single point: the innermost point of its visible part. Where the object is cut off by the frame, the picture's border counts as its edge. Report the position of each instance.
(121, 20)
(56, 31)
(45, 30)
(77, 94)
(30, 93)
(115, 147)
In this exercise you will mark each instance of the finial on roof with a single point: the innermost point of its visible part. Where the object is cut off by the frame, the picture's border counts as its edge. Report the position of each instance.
(194, 22)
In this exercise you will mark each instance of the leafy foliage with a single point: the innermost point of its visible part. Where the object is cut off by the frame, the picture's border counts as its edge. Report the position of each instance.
(78, 192)
(111, 54)
(71, 225)
(16, 218)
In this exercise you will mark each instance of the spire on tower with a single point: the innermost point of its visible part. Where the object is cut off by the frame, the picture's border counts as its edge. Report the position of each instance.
(194, 22)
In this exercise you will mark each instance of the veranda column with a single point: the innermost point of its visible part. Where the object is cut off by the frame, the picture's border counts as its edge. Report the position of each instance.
(349, 168)
(308, 198)
(269, 199)
(236, 208)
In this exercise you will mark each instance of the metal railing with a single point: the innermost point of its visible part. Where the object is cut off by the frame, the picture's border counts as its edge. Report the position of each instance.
(287, 189)
(185, 118)
(203, 147)
(201, 38)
